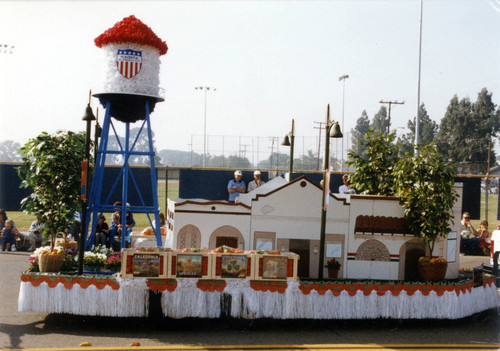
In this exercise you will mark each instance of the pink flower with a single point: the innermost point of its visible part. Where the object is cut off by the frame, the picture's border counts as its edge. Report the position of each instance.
(114, 260)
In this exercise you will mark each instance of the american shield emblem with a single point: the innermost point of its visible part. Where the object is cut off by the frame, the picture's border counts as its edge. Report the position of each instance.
(129, 62)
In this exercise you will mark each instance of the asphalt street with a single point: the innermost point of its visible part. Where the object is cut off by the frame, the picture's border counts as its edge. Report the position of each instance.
(22, 330)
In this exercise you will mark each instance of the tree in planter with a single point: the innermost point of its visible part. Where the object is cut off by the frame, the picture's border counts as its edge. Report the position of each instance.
(51, 166)
(424, 184)
(374, 169)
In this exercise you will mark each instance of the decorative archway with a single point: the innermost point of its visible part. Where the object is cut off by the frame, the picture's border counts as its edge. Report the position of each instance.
(373, 250)
(409, 253)
(189, 236)
(228, 232)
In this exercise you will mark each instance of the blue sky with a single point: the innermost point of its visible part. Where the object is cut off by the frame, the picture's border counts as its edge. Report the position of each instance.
(270, 61)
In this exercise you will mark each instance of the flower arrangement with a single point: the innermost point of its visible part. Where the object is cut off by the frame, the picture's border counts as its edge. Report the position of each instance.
(114, 261)
(434, 260)
(94, 259)
(47, 259)
(69, 261)
(45, 250)
(333, 264)
(103, 250)
(33, 263)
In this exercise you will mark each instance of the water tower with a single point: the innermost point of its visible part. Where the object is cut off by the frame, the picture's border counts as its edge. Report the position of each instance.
(129, 93)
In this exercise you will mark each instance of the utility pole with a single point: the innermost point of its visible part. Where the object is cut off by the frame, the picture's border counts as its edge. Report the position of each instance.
(319, 141)
(389, 115)
(272, 151)
(243, 150)
(486, 182)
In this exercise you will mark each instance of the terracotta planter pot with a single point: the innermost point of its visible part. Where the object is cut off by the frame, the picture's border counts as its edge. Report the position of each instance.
(432, 272)
(50, 263)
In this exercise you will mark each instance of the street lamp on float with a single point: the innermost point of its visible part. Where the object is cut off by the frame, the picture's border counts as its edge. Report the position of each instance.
(88, 117)
(289, 140)
(332, 130)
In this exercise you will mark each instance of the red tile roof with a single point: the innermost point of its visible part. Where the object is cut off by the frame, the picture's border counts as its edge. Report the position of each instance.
(381, 224)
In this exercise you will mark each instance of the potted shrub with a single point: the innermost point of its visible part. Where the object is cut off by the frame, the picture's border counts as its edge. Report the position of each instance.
(333, 268)
(424, 184)
(51, 167)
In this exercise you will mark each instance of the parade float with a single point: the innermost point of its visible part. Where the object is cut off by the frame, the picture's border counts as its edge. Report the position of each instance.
(258, 276)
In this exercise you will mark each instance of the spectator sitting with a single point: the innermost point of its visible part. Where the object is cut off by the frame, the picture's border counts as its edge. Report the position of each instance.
(3, 218)
(469, 237)
(236, 186)
(163, 224)
(9, 236)
(116, 225)
(35, 236)
(485, 236)
(256, 182)
(101, 232)
(346, 188)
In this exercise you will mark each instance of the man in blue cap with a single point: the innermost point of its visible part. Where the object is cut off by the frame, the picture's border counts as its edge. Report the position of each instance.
(236, 186)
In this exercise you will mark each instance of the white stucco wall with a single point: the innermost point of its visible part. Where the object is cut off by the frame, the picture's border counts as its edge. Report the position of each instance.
(293, 211)
(210, 216)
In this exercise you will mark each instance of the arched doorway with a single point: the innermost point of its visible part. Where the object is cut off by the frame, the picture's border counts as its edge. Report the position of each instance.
(226, 235)
(189, 236)
(409, 254)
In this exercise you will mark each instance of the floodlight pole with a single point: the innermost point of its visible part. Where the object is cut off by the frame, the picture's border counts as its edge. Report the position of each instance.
(343, 78)
(417, 119)
(205, 90)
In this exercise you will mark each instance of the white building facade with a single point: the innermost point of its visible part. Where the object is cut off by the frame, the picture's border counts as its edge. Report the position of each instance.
(365, 233)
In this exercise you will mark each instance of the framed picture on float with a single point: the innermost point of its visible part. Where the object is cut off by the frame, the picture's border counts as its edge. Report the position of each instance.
(275, 267)
(146, 265)
(234, 266)
(189, 266)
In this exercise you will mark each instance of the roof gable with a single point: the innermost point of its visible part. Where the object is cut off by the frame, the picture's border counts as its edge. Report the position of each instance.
(299, 180)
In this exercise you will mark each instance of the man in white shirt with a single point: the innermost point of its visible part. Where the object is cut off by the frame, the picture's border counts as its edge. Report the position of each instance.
(35, 236)
(346, 188)
(256, 182)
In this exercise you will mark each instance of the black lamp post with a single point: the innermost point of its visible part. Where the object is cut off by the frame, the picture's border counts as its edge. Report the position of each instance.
(329, 133)
(88, 117)
(289, 140)
(97, 134)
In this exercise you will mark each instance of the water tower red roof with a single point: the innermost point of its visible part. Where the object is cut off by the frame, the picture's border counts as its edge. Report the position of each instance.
(131, 30)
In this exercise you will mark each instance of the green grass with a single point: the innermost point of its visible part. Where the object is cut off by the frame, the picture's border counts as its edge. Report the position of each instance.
(491, 217)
